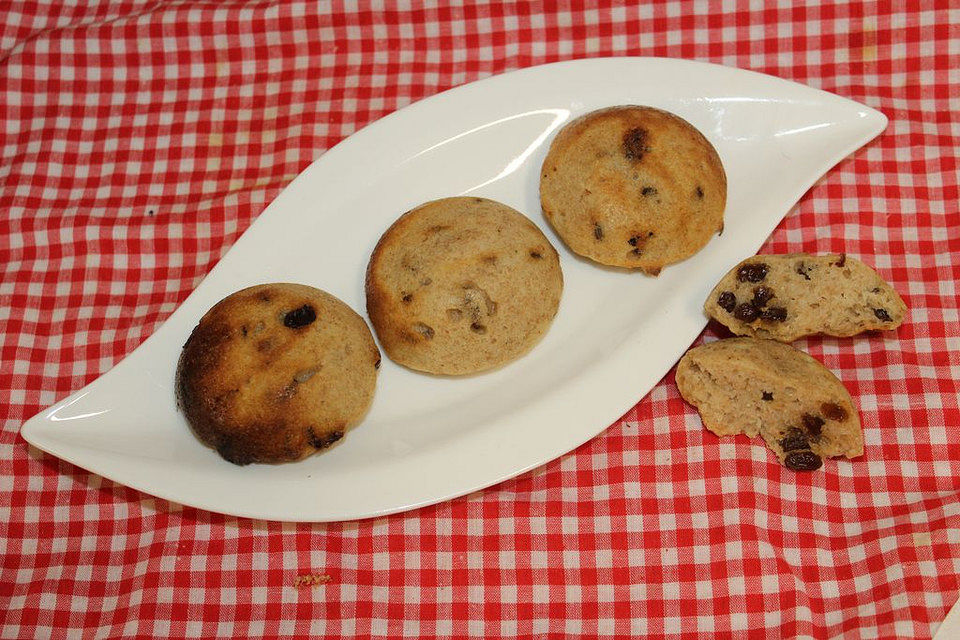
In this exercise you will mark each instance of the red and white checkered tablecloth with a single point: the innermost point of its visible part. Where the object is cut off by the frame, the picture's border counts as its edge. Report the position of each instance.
(140, 139)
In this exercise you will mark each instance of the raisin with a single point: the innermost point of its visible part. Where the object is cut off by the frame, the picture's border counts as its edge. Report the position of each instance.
(536, 254)
(476, 327)
(774, 314)
(635, 143)
(833, 411)
(882, 315)
(803, 461)
(699, 192)
(324, 441)
(793, 440)
(633, 241)
(648, 191)
(762, 295)
(300, 317)
(841, 261)
(597, 231)
(746, 312)
(727, 301)
(753, 272)
(767, 396)
(803, 270)
(812, 424)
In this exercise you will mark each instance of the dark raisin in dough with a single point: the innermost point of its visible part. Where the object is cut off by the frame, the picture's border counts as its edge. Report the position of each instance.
(746, 312)
(753, 272)
(761, 296)
(299, 317)
(833, 411)
(774, 314)
(803, 461)
(727, 301)
(793, 440)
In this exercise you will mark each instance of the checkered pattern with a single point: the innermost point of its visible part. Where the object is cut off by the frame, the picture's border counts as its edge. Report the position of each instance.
(141, 138)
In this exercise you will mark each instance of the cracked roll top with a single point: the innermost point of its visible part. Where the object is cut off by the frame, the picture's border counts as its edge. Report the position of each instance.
(633, 187)
(462, 285)
(276, 372)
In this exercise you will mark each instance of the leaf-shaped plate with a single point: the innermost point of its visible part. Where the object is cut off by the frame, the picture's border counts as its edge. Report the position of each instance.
(427, 438)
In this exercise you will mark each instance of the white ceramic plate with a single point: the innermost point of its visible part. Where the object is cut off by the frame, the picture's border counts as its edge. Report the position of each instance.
(427, 439)
(949, 629)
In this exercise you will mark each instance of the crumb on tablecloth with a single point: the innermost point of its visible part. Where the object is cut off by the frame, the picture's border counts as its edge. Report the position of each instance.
(311, 579)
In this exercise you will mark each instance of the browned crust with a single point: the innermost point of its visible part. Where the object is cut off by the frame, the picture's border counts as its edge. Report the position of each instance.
(237, 400)
(392, 324)
(670, 246)
(377, 297)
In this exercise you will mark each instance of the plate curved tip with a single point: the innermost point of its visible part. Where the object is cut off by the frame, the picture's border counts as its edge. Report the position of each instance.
(880, 118)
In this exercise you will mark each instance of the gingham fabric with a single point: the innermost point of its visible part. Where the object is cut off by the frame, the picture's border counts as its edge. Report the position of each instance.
(140, 139)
